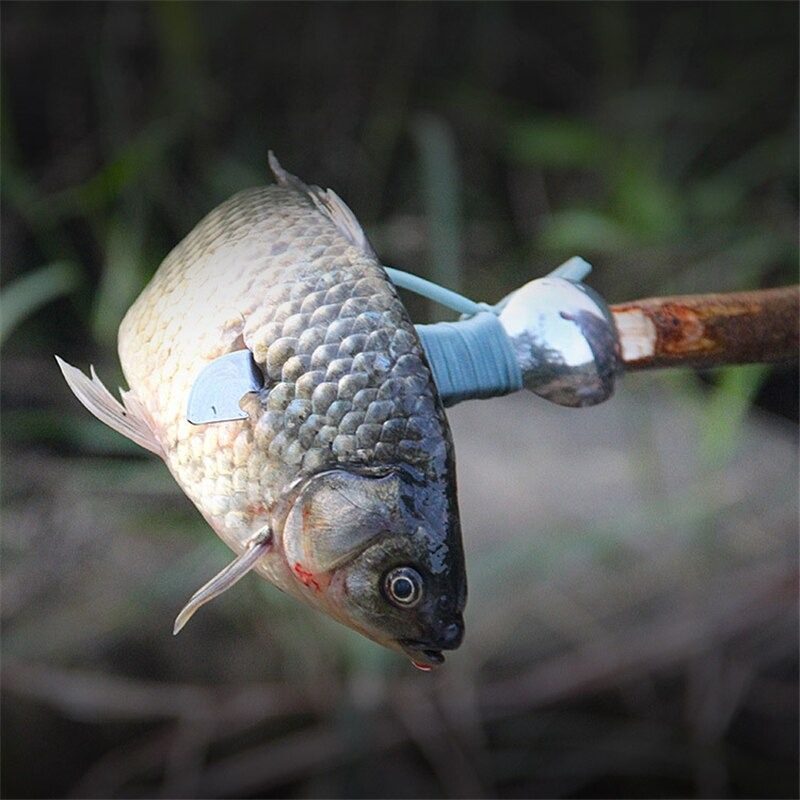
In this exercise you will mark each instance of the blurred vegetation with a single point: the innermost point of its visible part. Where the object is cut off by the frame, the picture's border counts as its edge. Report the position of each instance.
(646, 649)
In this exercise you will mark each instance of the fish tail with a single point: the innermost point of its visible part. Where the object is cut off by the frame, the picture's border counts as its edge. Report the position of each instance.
(129, 419)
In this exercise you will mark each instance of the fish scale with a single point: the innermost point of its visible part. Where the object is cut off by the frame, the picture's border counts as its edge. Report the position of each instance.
(346, 378)
(339, 483)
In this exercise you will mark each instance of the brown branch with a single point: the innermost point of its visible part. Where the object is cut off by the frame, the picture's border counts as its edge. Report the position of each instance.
(97, 696)
(645, 648)
(709, 330)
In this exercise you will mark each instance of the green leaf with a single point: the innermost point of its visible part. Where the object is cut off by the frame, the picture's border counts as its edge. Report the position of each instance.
(726, 410)
(143, 155)
(556, 143)
(28, 293)
(441, 183)
(80, 431)
(583, 231)
(644, 202)
(122, 278)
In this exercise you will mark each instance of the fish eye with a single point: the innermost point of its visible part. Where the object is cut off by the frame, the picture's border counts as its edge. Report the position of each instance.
(403, 586)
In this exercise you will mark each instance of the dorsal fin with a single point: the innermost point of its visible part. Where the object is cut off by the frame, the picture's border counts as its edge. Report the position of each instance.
(329, 203)
(129, 419)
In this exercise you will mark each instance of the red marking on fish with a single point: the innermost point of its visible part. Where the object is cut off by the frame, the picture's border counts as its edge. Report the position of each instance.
(307, 578)
(422, 667)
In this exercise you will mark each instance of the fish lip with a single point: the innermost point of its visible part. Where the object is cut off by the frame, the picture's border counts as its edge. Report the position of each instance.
(434, 656)
(421, 653)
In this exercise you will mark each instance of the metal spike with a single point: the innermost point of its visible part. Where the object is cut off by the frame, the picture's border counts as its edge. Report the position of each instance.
(221, 385)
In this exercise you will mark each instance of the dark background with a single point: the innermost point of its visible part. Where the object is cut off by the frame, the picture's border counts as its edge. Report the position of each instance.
(632, 627)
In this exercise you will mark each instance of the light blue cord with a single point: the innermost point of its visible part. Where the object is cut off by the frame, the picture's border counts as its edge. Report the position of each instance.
(472, 358)
(574, 269)
(431, 290)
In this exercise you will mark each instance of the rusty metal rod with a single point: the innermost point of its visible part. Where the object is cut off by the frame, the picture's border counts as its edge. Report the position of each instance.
(709, 330)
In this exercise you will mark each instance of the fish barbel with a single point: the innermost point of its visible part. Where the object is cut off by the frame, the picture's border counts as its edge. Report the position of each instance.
(339, 485)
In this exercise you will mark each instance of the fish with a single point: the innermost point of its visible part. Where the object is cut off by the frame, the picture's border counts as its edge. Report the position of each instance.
(337, 483)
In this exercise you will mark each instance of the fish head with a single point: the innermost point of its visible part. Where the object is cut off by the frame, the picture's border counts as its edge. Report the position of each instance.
(381, 552)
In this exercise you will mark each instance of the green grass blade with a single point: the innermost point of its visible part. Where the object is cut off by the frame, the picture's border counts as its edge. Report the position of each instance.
(726, 409)
(441, 186)
(28, 293)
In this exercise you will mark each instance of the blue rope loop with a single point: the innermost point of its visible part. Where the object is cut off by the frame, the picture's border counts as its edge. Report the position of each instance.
(574, 269)
(471, 359)
(431, 290)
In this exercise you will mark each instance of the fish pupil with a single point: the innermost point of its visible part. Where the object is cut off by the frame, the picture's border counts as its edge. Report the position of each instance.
(403, 586)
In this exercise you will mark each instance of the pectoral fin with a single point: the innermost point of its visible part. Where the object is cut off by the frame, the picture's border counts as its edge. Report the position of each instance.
(257, 547)
(128, 418)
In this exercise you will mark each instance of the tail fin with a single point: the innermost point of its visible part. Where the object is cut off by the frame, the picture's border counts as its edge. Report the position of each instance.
(128, 419)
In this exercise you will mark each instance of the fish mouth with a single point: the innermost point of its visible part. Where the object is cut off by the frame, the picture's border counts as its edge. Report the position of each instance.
(422, 656)
(428, 653)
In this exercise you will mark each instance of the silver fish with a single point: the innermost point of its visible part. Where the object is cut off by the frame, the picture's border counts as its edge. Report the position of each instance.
(338, 484)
